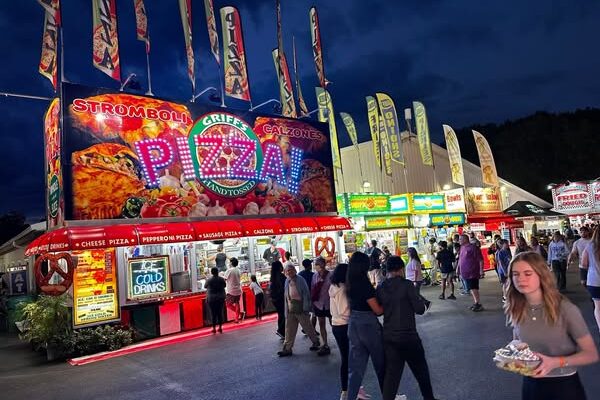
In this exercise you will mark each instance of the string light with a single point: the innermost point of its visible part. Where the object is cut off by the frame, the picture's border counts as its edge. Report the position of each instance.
(209, 167)
(294, 182)
(185, 155)
(239, 165)
(150, 164)
(273, 164)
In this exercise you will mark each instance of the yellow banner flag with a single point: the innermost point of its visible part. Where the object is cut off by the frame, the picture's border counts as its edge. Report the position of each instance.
(185, 10)
(385, 148)
(373, 115)
(454, 157)
(326, 115)
(486, 160)
(423, 133)
(286, 93)
(392, 129)
(236, 72)
(105, 39)
(350, 127)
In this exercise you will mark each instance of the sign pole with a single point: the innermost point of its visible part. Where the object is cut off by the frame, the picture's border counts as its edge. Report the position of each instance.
(148, 69)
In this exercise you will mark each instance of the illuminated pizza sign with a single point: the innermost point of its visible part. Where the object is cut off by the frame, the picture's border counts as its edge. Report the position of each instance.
(133, 156)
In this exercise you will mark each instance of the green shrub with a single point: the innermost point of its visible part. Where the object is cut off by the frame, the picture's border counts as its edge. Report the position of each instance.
(101, 338)
(47, 322)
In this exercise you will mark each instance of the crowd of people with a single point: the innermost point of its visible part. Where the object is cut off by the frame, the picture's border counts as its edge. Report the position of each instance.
(375, 283)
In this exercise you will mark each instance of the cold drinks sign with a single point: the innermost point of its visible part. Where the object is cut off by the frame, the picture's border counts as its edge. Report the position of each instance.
(148, 277)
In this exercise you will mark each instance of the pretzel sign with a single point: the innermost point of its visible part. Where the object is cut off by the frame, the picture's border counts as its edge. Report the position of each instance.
(43, 281)
(325, 244)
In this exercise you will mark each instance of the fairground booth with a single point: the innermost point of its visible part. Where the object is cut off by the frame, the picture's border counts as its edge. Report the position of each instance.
(142, 193)
(537, 221)
(579, 201)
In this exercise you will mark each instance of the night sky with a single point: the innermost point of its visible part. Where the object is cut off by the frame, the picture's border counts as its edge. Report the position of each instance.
(467, 61)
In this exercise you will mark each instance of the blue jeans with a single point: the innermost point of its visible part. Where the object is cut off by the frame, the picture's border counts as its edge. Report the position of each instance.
(366, 339)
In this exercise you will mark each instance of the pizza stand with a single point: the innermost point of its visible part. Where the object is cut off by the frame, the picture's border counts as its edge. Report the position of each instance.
(142, 191)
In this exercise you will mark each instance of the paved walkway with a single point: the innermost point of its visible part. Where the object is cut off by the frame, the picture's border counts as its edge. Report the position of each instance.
(243, 365)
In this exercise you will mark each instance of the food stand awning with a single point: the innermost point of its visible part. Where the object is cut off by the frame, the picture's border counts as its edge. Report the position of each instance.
(91, 237)
(526, 209)
(494, 221)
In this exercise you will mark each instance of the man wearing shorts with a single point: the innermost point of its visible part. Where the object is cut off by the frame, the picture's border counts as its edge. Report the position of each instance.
(233, 290)
(470, 264)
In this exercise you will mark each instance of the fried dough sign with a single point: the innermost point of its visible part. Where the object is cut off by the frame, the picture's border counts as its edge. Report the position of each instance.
(325, 245)
(43, 281)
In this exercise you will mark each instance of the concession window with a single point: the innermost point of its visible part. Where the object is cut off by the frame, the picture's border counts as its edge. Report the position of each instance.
(93, 237)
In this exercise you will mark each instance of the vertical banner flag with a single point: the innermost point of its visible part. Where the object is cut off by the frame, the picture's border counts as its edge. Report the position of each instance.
(185, 10)
(211, 23)
(350, 127)
(48, 63)
(326, 115)
(385, 147)
(301, 102)
(373, 115)
(423, 133)
(286, 93)
(105, 38)
(141, 23)
(316, 46)
(392, 129)
(236, 73)
(53, 8)
(486, 160)
(456, 167)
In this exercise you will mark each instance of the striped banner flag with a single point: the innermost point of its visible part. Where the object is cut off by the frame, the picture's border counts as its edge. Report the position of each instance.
(235, 70)
(211, 23)
(286, 93)
(316, 46)
(392, 129)
(105, 38)
(52, 7)
(48, 60)
(185, 10)
(141, 23)
(301, 102)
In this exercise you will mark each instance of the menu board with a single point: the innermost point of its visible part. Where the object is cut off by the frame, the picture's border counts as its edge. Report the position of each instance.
(399, 203)
(426, 203)
(95, 294)
(365, 204)
(483, 200)
(455, 200)
(148, 277)
(387, 222)
(447, 219)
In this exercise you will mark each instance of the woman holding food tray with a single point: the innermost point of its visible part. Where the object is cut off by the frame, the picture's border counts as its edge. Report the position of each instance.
(552, 326)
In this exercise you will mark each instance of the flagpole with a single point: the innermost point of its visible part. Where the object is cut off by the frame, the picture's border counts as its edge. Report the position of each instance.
(221, 82)
(149, 92)
(62, 56)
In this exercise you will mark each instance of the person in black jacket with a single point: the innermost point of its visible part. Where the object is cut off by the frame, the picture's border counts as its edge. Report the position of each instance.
(401, 342)
(215, 298)
(276, 289)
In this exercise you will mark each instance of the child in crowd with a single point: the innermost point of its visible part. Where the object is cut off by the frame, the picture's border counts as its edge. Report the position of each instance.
(446, 259)
(259, 297)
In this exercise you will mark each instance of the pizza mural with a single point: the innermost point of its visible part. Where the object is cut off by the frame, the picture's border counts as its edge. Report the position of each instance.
(132, 156)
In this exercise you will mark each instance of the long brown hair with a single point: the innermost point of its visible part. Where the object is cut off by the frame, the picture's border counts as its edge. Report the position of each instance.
(596, 243)
(516, 303)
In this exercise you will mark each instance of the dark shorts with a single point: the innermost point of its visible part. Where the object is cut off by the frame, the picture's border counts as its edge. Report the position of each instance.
(232, 299)
(321, 313)
(583, 274)
(594, 292)
(472, 284)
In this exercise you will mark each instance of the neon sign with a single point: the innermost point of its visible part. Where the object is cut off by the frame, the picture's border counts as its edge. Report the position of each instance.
(223, 152)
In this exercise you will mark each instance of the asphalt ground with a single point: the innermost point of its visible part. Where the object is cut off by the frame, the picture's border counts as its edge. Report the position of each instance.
(243, 364)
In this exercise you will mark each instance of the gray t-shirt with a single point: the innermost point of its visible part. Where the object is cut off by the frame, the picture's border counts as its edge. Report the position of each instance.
(593, 277)
(553, 340)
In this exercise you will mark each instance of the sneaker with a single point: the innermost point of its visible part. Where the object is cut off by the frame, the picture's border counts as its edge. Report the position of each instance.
(344, 395)
(280, 335)
(452, 297)
(442, 297)
(315, 347)
(400, 397)
(243, 315)
(463, 293)
(284, 353)
(214, 330)
(362, 395)
(220, 330)
(427, 306)
(477, 307)
(323, 351)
